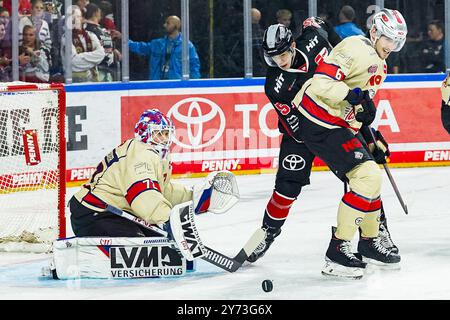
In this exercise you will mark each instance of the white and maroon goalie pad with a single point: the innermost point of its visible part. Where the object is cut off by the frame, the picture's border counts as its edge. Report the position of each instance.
(32, 165)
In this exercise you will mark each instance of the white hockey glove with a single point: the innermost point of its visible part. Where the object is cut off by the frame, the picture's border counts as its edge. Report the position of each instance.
(217, 193)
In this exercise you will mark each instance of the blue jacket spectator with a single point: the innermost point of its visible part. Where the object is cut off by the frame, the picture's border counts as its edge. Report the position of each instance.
(165, 53)
(347, 28)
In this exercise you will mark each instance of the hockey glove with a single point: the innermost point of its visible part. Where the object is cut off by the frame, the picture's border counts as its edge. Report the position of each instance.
(366, 113)
(381, 150)
(271, 234)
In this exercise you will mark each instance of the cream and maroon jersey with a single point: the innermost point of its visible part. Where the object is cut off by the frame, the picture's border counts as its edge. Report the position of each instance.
(353, 63)
(134, 178)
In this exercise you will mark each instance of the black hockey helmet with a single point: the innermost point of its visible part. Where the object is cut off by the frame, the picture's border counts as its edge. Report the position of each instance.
(276, 40)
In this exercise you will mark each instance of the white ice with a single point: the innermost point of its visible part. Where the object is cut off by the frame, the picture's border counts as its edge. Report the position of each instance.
(296, 257)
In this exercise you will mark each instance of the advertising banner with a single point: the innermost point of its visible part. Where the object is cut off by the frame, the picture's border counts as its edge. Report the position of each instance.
(235, 128)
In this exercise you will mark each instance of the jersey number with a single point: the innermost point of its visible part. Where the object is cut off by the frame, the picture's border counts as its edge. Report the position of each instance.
(321, 55)
(375, 80)
(283, 108)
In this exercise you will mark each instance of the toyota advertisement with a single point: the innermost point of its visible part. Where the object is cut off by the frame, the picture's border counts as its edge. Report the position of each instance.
(238, 131)
(235, 128)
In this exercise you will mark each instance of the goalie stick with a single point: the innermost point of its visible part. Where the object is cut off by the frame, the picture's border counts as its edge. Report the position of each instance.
(212, 256)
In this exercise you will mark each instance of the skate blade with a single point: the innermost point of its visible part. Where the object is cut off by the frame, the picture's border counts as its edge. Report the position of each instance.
(333, 269)
(382, 265)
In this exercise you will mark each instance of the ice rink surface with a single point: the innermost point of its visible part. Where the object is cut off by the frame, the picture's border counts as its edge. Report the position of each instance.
(295, 259)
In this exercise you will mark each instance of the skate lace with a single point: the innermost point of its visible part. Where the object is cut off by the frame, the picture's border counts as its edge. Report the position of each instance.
(347, 250)
(377, 243)
(385, 237)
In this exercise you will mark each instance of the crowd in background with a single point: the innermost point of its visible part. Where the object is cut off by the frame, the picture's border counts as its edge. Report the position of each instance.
(216, 46)
(95, 38)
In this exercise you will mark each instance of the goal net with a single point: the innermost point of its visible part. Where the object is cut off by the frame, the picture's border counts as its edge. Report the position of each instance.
(32, 166)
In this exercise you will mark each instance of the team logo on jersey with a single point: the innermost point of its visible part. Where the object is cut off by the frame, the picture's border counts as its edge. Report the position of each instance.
(293, 162)
(372, 69)
(358, 221)
(191, 114)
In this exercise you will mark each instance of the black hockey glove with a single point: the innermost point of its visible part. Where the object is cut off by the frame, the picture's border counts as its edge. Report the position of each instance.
(358, 97)
(271, 234)
(381, 150)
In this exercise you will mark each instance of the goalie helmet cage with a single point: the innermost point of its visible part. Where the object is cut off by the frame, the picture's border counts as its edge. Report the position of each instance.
(32, 165)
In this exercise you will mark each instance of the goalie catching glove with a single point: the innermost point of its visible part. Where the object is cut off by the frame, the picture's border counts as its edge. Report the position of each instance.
(217, 193)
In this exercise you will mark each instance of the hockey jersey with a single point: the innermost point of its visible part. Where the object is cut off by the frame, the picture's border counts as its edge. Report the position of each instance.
(281, 86)
(353, 63)
(134, 178)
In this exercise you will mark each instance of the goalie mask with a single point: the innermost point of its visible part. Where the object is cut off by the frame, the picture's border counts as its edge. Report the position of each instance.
(277, 39)
(392, 25)
(156, 129)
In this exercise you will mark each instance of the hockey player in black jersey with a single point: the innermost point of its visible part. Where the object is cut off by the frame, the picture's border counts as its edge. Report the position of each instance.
(291, 64)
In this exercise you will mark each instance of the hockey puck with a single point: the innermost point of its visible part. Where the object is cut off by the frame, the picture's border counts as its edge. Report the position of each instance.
(267, 285)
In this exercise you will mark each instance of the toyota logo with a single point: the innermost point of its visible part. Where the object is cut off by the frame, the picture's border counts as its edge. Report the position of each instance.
(194, 104)
(293, 162)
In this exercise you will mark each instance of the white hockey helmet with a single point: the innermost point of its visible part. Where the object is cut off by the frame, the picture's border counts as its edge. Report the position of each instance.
(391, 24)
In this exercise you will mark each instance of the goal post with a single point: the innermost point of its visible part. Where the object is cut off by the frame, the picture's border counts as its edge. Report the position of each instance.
(32, 165)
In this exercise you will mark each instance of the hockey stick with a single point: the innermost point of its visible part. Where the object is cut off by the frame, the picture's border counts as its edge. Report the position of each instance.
(212, 256)
(388, 172)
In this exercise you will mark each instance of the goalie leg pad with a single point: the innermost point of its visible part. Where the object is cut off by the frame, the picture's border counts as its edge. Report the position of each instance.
(117, 258)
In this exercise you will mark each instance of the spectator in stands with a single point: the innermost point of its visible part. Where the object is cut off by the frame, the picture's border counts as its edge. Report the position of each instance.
(347, 28)
(24, 7)
(37, 21)
(284, 17)
(259, 65)
(87, 52)
(5, 20)
(165, 53)
(5, 56)
(106, 68)
(432, 52)
(82, 5)
(33, 58)
(108, 17)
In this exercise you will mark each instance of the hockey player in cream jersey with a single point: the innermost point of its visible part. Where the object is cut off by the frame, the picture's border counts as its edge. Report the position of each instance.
(135, 177)
(336, 104)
